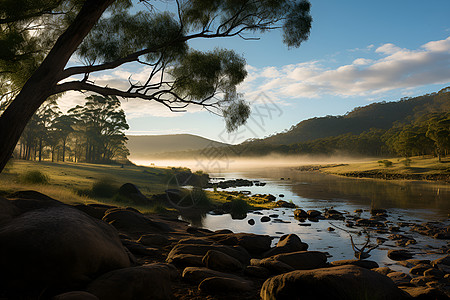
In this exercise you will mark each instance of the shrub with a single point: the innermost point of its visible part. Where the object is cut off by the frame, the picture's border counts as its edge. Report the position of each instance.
(386, 163)
(239, 206)
(406, 162)
(104, 188)
(200, 198)
(35, 177)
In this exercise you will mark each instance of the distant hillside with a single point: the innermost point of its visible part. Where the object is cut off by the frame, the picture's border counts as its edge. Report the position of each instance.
(381, 115)
(146, 145)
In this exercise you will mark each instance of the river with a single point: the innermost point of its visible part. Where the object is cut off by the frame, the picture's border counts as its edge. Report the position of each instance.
(405, 201)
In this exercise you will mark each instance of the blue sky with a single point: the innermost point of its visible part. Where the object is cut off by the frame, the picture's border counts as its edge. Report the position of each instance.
(358, 52)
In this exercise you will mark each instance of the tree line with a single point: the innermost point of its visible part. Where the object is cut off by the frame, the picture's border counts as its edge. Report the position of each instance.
(92, 133)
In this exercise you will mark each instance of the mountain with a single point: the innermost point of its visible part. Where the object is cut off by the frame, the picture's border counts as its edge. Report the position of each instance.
(146, 145)
(380, 115)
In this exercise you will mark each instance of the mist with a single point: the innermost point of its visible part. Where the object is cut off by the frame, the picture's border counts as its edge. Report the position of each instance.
(227, 164)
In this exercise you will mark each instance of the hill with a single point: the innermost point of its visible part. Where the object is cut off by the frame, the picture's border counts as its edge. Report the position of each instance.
(380, 115)
(142, 146)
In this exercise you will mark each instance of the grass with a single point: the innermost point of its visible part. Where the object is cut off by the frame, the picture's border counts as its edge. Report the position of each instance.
(417, 165)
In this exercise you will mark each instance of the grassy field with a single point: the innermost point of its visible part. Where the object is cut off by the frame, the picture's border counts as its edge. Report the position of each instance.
(415, 168)
(72, 183)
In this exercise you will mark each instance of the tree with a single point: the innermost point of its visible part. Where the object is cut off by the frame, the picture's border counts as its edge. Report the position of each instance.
(37, 39)
(439, 132)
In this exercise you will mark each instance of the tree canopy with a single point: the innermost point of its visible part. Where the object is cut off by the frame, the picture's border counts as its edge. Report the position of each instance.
(38, 38)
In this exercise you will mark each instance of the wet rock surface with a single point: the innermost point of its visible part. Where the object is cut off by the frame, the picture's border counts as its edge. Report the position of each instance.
(153, 257)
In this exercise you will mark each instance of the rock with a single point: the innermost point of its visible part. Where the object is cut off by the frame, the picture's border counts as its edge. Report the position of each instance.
(419, 269)
(287, 243)
(196, 275)
(282, 203)
(313, 213)
(400, 278)
(375, 211)
(343, 282)
(433, 272)
(93, 211)
(27, 201)
(420, 281)
(151, 281)
(274, 267)
(330, 229)
(300, 214)
(139, 249)
(399, 254)
(75, 295)
(383, 270)
(366, 264)
(256, 271)
(153, 240)
(302, 260)
(7, 211)
(195, 241)
(186, 260)
(236, 252)
(265, 219)
(221, 285)
(63, 248)
(220, 261)
(443, 260)
(368, 223)
(425, 293)
(254, 243)
(251, 222)
(134, 222)
(132, 193)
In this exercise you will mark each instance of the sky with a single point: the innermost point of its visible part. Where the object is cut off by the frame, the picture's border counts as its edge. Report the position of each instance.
(359, 52)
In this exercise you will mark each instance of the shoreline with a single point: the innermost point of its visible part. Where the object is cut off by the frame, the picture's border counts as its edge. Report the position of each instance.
(418, 168)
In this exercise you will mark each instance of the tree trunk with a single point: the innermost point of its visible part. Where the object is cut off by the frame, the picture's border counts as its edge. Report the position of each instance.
(40, 149)
(64, 151)
(44, 80)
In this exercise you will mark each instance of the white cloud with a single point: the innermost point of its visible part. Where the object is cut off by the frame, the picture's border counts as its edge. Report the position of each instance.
(395, 68)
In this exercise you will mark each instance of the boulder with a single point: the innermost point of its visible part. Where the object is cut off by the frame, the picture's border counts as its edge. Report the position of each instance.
(400, 278)
(7, 211)
(31, 200)
(282, 203)
(131, 222)
(196, 275)
(420, 280)
(300, 214)
(287, 243)
(221, 285)
(153, 240)
(255, 244)
(433, 272)
(139, 249)
(265, 219)
(313, 213)
(186, 260)
(220, 261)
(302, 260)
(399, 254)
(236, 252)
(132, 193)
(75, 295)
(343, 282)
(274, 267)
(251, 222)
(366, 264)
(147, 282)
(256, 271)
(63, 248)
(443, 261)
(425, 293)
(419, 269)
(383, 270)
(195, 241)
(93, 211)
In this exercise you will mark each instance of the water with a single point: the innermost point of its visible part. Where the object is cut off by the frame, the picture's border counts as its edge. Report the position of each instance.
(405, 201)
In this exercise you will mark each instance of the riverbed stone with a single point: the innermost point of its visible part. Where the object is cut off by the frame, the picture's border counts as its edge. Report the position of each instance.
(300, 214)
(133, 222)
(383, 270)
(445, 260)
(186, 260)
(419, 269)
(420, 280)
(236, 252)
(220, 261)
(399, 254)
(301, 260)
(400, 278)
(367, 264)
(265, 219)
(434, 273)
(256, 271)
(154, 240)
(222, 285)
(287, 243)
(150, 281)
(196, 275)
(275, 267)
(63, 247)
(425, 293)
(342, 282)
(255, 244)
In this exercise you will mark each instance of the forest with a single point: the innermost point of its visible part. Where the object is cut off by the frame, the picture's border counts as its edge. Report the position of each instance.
(409, 127)
(92, 133)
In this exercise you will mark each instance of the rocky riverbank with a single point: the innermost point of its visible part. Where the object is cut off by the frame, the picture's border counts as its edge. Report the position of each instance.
(50, 250)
